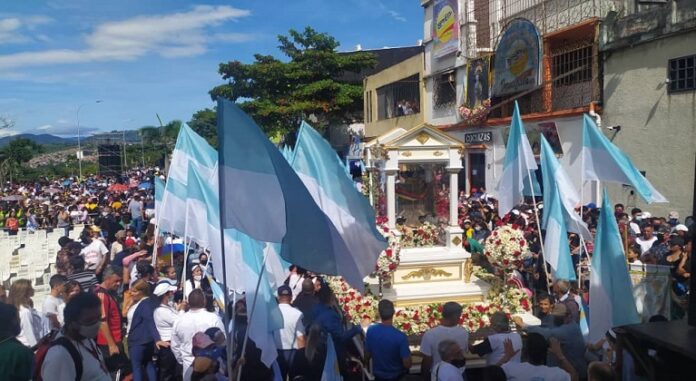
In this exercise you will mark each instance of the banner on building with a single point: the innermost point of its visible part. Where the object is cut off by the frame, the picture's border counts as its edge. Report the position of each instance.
(651, 290)
(478, 81)
(517, 59)
(445, 27)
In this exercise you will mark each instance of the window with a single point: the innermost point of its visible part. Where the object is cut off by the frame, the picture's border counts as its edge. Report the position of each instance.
(368, 107)
(399, 98)
(572, 65)
(682, 74)
(445, 90)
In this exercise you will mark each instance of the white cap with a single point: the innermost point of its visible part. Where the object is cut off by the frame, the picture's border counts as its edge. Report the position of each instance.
(163, 288)
(681, 228)
(646, 215)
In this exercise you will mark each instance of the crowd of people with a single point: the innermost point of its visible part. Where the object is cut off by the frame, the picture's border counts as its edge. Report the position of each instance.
(114, 313)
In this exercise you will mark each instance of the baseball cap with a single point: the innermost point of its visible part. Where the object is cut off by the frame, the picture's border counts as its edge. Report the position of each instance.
(681, 228)
(95, 228)
(284, 291)
(559, 309)
(163, 288)
(674, 214)
(62, 241)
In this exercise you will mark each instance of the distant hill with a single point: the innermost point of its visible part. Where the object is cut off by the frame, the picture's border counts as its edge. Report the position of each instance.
(116, 137)
(38, 139)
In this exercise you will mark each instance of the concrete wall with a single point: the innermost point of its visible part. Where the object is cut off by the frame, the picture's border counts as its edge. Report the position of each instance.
(658, 129)
(405, 69)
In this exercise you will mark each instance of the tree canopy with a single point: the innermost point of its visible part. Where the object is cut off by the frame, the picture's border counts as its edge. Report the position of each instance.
(278, 94)
(204, 123)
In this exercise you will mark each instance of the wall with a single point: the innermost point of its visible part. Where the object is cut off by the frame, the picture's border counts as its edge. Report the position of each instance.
(658, 130)
(405, 69)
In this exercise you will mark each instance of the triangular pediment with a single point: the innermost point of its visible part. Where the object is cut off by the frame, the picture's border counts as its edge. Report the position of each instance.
(423, 136)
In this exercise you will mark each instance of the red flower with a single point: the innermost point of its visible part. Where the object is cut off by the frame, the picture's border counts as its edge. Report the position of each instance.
(465, 315)
(480, 308)
(517, 253)
(406, 326)
(522, 242)
(481, 323)
(388, 252)
(495, 234)
(524, 304)
(439, 308)
(506, 262)
(515, 226)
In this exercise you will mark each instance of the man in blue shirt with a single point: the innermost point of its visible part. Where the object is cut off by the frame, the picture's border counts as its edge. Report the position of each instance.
(388, 347)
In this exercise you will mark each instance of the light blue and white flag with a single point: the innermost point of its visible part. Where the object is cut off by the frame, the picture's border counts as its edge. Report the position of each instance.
(322, 172)
(611, 292)
(331, 371)
(604, 161)
(159, 195)
(190, 149)
(262, 196)
(519, 164)
(559, 215)
(266, 316)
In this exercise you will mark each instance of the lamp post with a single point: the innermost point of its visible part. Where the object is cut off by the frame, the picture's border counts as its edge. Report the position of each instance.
(79, 145)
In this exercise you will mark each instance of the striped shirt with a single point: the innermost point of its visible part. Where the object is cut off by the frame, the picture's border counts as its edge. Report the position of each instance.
(87, 279)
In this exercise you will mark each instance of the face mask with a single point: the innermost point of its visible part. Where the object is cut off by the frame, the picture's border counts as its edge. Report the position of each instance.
(89, 331)
(204, 262)
(478, 228)
(197, 278)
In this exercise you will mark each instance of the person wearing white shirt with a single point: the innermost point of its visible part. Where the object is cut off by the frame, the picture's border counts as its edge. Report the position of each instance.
(33, 327)
(535, 368)
(95, 253)
(53, 304)
(165, 316)
(492, 348)
(291, 337)
(449, 329)
(197, 319)
(193, 281)
(82, 322)
(646, 240)
(449, 351)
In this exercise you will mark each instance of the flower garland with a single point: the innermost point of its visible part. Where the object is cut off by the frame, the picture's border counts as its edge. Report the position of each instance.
(506, 247)
(477, 115)
(388, 259)
(415, 320)
(424, 235)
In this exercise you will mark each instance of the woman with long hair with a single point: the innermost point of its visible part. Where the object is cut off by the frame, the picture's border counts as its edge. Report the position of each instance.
(30, 321)
(193, 280)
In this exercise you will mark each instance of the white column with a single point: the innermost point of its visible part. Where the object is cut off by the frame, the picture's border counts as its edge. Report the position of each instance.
(454, 196)
(391, 198)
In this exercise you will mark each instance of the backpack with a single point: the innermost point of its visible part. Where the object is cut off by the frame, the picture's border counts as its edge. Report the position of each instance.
(42, 350)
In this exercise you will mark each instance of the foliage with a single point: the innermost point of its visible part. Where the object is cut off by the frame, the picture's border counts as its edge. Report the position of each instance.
(425, 235)
(15, 155)
(280, 94)
(204, 123)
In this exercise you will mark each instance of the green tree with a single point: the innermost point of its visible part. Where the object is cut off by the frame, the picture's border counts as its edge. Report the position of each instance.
(16, 154)
(279, 94)
(204, 123)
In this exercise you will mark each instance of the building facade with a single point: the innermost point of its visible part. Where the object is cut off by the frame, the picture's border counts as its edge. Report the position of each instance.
(650, 94)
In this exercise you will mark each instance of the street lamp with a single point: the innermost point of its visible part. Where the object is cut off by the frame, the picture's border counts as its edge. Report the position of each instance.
(79, 146)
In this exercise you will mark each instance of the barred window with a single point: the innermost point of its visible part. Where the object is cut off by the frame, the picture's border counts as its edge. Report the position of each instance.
(682, 74)
(399, 98)
(571, 66)
(445, 90)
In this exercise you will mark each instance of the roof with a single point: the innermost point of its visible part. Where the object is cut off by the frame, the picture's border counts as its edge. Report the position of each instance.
(386, 57)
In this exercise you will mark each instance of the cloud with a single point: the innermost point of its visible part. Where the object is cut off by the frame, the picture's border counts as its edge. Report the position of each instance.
(64, 130)
(181, 34)
(12, 28)
(394, 14)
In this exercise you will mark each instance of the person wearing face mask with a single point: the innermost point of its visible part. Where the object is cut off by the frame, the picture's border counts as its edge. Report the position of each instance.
(75, 355)
(203, 263)
(15, 358)
(165, 315)
(194, 280)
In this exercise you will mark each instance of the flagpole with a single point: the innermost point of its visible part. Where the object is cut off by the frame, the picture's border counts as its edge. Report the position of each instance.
(250, 314)
(538, 221)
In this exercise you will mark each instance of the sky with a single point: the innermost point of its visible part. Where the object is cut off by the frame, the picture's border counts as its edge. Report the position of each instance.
(142, 58)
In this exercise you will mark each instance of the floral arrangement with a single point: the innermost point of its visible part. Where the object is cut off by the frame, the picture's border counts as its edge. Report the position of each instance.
(506, 247)
(477, 115)
(415, 320)
(390, 258)
(425, 235)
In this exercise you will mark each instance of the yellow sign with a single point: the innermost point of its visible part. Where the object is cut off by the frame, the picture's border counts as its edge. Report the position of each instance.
(445, 27)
